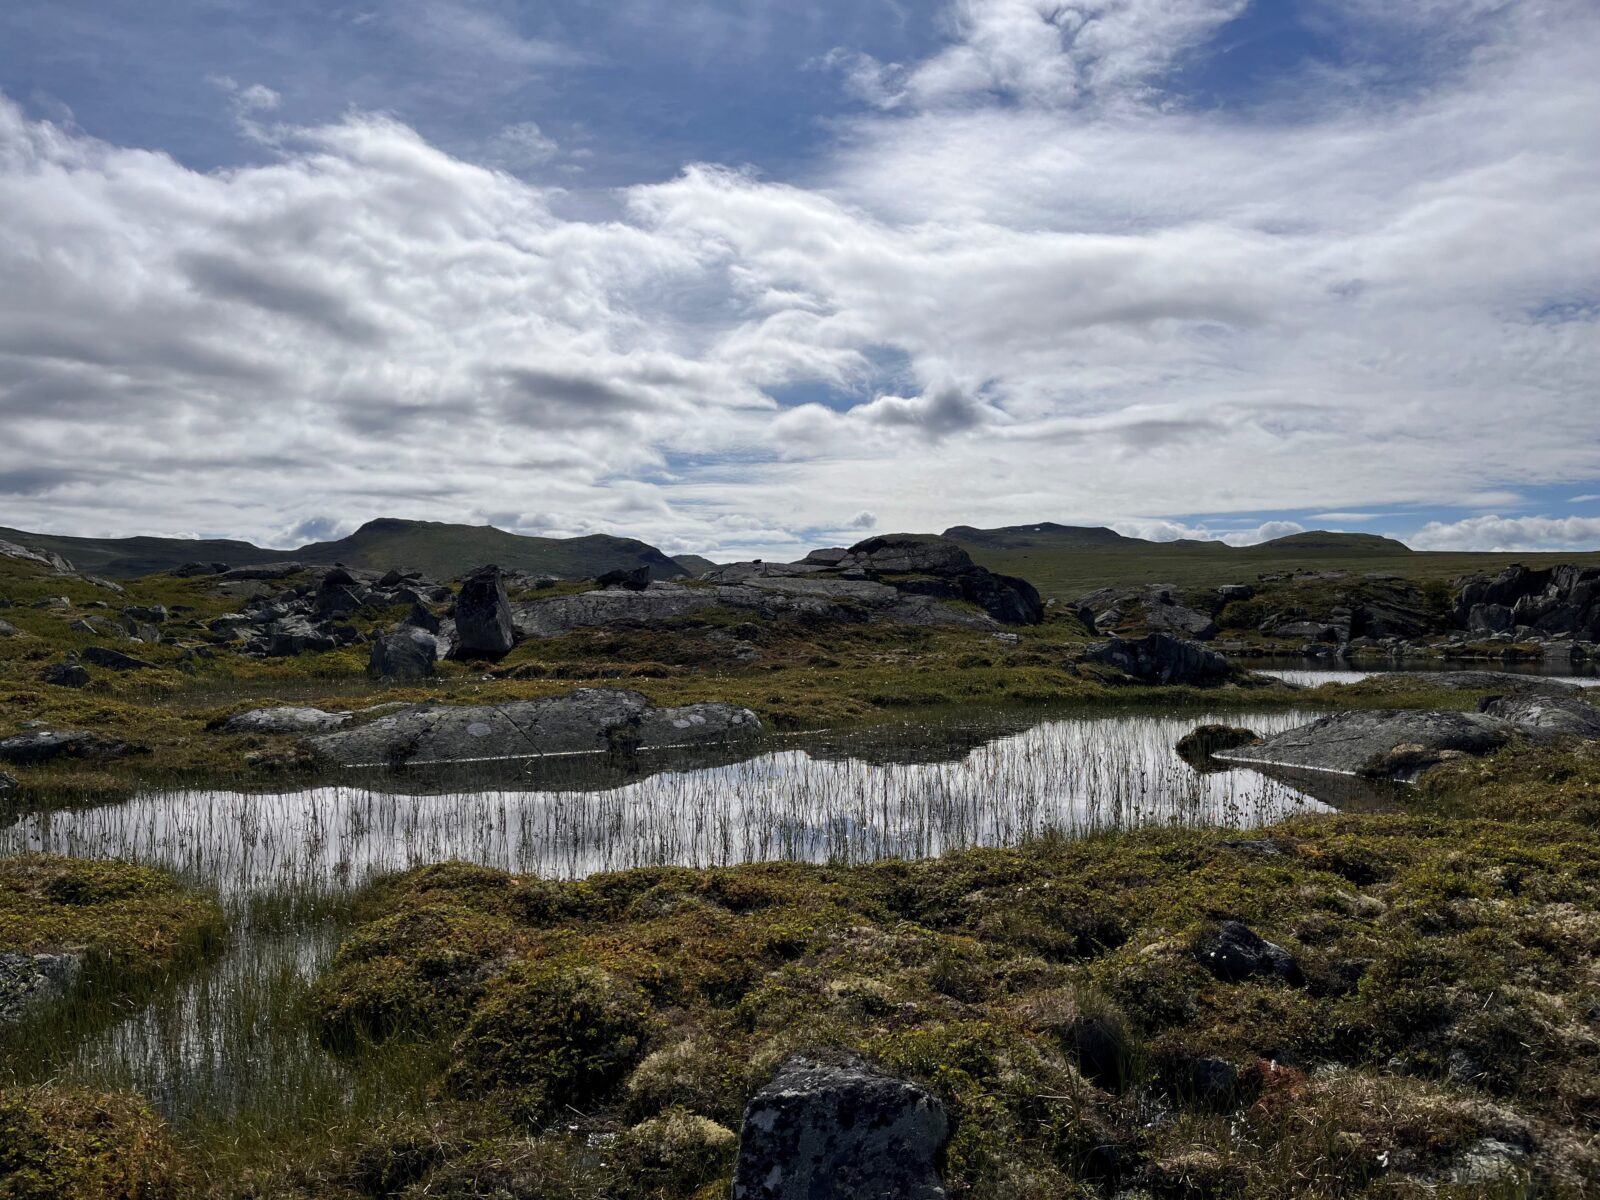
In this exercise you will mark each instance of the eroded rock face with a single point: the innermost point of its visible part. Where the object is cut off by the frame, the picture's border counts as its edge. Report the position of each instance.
(587, 720)
(1159, 606)
(483, 616)
(840, 1130)
(1161, 658)
(1559, 601)
(1393, 743)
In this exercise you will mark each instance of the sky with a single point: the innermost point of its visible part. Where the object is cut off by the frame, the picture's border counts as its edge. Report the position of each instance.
(743, 278)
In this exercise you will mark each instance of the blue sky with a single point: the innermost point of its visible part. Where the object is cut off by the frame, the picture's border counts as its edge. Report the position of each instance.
(739, 276)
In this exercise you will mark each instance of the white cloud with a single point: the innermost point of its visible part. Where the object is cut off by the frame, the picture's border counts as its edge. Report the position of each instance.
(1583, 499)
(1104, 303)
(1510, 533)
(1160, 530)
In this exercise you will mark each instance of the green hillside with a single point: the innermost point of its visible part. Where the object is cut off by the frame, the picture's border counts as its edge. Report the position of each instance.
(440, 550)
(1066, 562)
(694, 563)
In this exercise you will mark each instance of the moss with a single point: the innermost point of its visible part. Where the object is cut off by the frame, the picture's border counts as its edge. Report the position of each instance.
(60, 1143)
(550, 1035)
(1048, 993)
(130, 922)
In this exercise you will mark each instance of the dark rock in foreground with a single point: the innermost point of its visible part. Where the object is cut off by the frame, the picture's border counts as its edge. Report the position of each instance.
(115, 660)
(66, 674)
(483, 616)
(822, 1130)
(1200, 744)
(588, 720)
(46, 745)
(1234, 952)
(1379, 742)
(1161, 658)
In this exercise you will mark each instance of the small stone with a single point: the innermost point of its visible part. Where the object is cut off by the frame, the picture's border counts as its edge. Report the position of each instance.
(1234, 952)
(66, 674)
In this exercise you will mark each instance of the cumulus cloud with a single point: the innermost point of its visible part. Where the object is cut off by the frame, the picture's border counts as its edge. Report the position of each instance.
(1161, 530)
(1510, 533)
(1103, 302)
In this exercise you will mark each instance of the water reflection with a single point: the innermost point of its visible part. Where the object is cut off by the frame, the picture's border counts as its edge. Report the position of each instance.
(822, 802)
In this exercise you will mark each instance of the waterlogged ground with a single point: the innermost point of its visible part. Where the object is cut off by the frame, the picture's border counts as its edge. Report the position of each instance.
(228, 1042)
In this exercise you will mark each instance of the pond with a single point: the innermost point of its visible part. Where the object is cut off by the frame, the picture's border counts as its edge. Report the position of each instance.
(1313, 672)
(227, 1044)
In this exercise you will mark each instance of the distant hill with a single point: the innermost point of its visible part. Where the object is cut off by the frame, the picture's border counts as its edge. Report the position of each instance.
(694, 564)
(442, 551)
(1067, 561)
(1321, 541)
(1047, 535)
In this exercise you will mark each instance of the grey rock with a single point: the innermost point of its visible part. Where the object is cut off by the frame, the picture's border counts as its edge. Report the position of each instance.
(153, 614)
(908, 553)
(1506, 682)
(406, 653)
(297, 635)
(1236, 591)
(1490, 1162)
(46, 745)
(114, 660)
(28, 980)
(192, 570)
(7, 629)
(1161, 658)
(421, 617)
(284, 719)
(1234, 952)
(1389, 743)
(484, 627)
(44, 558)
(8, 783)
(66, 674)
(1545, 717)
(1160, 604)
(830, 557)
(825, 1130)
(588, 720)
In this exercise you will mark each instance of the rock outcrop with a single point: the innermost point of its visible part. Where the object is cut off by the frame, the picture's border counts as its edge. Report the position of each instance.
(28, 980)
(284, 719)
(588, 720)
(404, 654)
(1547, 717)
(1234, 952)
(1392, 743)
(1562, 602)
(1157, 607)
(840, 1129)
(1161, 658)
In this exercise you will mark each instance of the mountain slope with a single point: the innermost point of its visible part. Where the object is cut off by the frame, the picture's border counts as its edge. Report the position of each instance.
(440, 550)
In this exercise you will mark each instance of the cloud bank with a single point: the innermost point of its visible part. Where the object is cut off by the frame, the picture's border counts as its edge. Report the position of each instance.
(1110, 306)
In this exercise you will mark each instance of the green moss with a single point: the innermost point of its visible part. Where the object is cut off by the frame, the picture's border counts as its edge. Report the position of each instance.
(65, 1144)
(131, 923)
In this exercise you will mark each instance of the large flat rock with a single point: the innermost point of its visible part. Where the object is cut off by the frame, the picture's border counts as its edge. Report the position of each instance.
(1377, 742)
(588, 720)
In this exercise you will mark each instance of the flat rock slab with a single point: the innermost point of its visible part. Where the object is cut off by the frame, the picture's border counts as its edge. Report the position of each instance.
(284, 719)
(837, 1130)
(46, 745)
(588, 720)
(1485, 681)
(1544, 717)
(1392, 742)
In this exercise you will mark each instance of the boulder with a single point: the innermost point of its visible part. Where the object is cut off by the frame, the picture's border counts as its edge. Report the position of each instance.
(295, 635)
(1545, 718)
(1236, 591)
(1007, 599)
(908, 553)
(66, 674)
(43, 558)
(840, 1129)
(7, 629)
(405, 653)
(1392, 743)
(592, 720)
(47, 745)
(483, 616)
(283, 719)
(1160, 605)
(1161, 658)
(114, 660)
(27, 980)
(635, 579)
(192, 570)
(151, 614)
(8, 783)
(1198, 746)
(830, 557)
(1234, 952)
